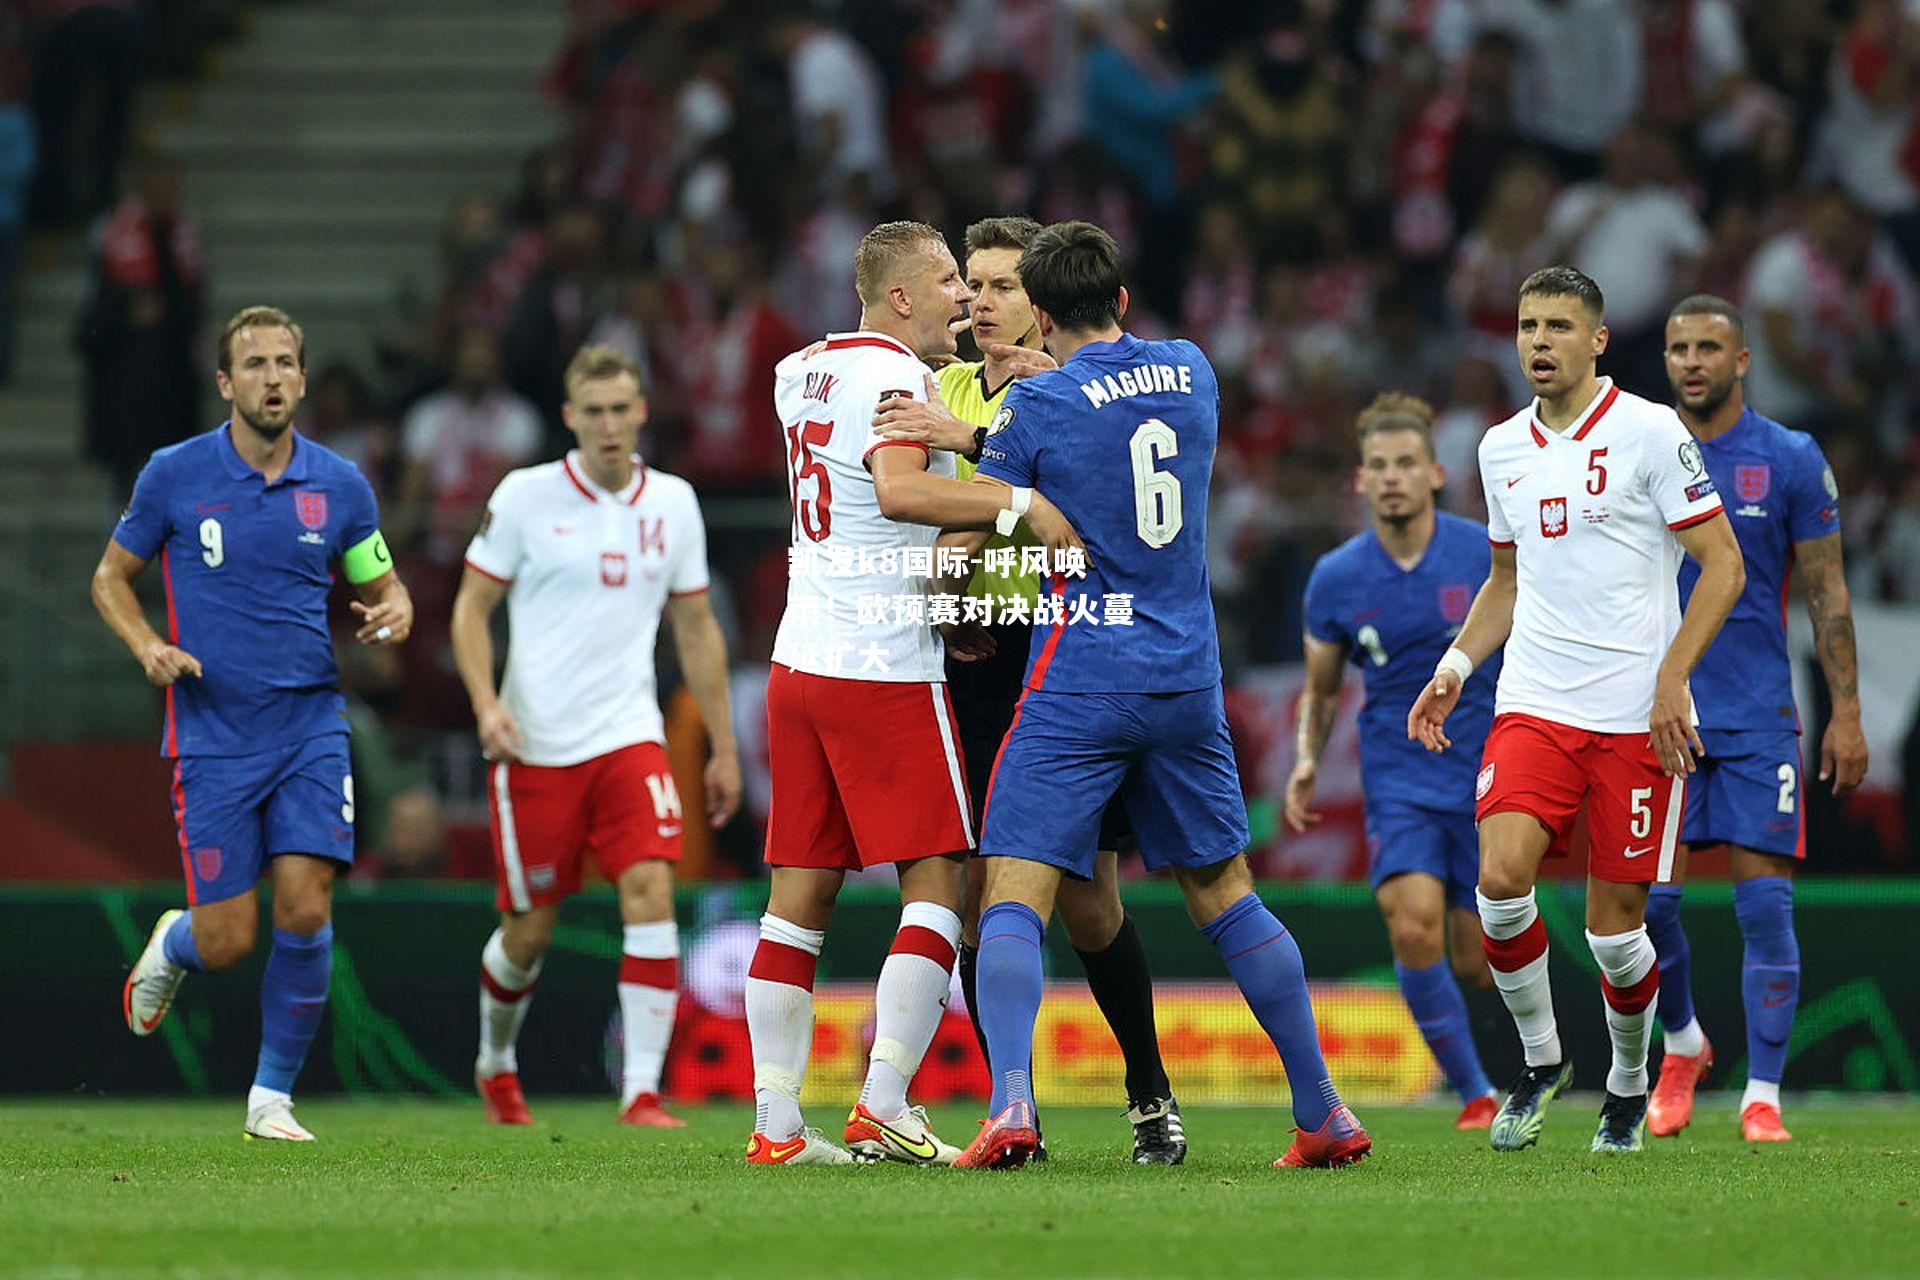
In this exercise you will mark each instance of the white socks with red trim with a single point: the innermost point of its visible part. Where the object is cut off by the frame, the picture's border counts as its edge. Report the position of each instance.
(1630, 981)
(1516, 944)
(649, 994)
(908, 1001)
(505, 991)
(780, 1022)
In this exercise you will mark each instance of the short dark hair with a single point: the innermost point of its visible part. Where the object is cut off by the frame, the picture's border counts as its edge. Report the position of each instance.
(1396, 411)
(1710, 304)
(1013, 232)
(1071, 271)
(1566, 282)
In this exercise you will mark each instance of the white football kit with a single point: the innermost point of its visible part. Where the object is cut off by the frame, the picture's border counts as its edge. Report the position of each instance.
(1591, 512)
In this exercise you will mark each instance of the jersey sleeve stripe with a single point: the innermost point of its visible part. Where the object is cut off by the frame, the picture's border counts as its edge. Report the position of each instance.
(682, 595)
(1498, 542)
(1693, 520)
(488, 573)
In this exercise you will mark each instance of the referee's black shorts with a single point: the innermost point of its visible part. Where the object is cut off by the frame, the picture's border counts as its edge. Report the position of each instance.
(984, 693)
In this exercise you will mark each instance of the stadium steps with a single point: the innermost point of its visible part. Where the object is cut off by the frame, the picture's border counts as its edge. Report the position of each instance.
(321, 157)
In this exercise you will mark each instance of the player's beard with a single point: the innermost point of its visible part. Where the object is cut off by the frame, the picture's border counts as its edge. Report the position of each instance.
(267, 430)
(1715, 397)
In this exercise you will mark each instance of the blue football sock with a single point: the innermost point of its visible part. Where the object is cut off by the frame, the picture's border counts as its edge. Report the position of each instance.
(293, 995)
(1439, 1010)
(179, 946)
(1675, 1009)
(1009, 978)
(1770, 976)
(1265, 961)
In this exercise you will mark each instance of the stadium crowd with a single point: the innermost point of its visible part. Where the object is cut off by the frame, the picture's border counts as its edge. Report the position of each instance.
(1332, 197)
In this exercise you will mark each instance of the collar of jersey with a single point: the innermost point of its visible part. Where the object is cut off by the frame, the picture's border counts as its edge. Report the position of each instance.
(1589, 417)
(1121, 347)
(591, 491)
(867, 338)
(1739, 428)
(239, 468)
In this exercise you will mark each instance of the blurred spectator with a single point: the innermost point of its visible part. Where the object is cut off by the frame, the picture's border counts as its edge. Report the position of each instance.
(18, 156)
(1579, 72)
(1485, 139)
(552, 315)
(1867, 140)
(1507, 244)
(1222, 282)
(456, 445)
(339, 414)
(1830, 315)
(1276, 146)
(1696, 64)
(138, 326)
(1639, 240)
(839, 105)
(728, 335)
(88, 66)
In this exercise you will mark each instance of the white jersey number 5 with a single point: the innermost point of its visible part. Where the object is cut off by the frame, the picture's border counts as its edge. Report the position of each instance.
(1156, 494)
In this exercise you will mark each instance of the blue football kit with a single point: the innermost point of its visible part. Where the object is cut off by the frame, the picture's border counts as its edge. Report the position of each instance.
(1123, 693)
(1778, 491)
(260, 739)
(1394, 624)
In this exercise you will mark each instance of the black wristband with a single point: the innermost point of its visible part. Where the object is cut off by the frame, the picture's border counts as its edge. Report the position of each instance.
(979, 443)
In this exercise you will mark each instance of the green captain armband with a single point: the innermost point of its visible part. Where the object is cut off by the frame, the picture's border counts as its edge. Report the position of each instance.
(367, 559)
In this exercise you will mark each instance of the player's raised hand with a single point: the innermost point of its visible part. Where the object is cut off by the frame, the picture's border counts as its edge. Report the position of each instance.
(386, 623)
(1055, 531)
(723, 786)
(968, 641)
(927, 422)
(1427, 720)
(1843, 754)
(164, 663)
(1022, 362)
(1671, 733)
(1299, 809)
(500, 733)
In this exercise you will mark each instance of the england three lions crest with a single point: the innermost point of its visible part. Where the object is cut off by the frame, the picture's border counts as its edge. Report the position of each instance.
(1752, 481)
(311, 506)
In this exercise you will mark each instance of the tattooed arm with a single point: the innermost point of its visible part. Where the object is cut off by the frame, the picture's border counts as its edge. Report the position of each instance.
(1843, 749)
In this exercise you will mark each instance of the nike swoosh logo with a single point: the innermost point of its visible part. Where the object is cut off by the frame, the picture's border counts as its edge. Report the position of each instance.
(563, 530)
(1774, 1003)
(924, 1149)
(1635, 853)
(148, 1024)
(1516, 480)
(669, 831)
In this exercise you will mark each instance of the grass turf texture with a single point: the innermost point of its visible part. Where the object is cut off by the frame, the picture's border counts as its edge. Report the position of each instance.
(414, 1188)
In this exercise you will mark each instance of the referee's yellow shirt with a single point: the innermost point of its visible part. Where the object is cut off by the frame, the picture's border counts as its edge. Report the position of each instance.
(963, 387)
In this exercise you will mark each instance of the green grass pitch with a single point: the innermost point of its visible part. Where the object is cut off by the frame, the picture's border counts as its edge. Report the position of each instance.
(413, 1188)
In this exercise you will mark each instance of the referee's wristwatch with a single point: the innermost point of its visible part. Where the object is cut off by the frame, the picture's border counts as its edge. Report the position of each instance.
(979, 443)
(1009, 517)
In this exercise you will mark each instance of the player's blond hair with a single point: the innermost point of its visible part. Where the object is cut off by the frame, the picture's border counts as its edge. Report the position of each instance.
(882, 251)
(591, 364)
(260, 317)
(1395, 411)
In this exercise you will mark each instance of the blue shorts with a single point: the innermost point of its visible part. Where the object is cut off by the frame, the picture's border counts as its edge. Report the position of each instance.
(1403, 838)
(1167, 756)
(1747, 792)
(236, 813)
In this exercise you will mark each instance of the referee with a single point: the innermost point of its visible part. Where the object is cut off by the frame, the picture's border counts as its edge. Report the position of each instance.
(985, 690)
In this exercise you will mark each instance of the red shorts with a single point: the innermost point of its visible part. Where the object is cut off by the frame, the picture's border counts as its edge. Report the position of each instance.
(1549, 770)
(621, 807)
(864, 772)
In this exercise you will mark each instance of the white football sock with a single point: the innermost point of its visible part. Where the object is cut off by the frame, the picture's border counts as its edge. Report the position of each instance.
(649, 994)
(1689, 1041)
(1767, 1091)
(908, 1003)
(780, 1022)
(506, 990)
(1631, 969)
(1515, 938)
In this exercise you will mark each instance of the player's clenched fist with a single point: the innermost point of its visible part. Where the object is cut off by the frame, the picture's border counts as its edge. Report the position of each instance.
(1054, 530)
(165, 663)
(1674, 739)
(1425, 723)
(499, 733)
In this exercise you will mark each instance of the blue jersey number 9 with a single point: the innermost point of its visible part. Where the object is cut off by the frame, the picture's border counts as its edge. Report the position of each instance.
(1156, 494)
